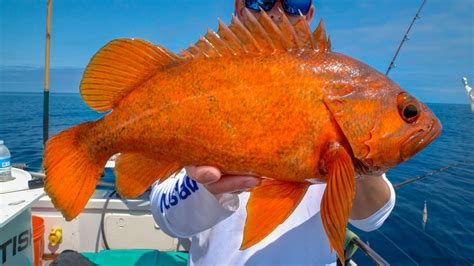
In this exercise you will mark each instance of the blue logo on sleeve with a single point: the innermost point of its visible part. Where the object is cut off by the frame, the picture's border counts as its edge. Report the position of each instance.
(179, 192)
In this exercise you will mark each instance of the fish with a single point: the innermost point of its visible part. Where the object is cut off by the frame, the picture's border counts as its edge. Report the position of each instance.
(256, 97)
(425, 216)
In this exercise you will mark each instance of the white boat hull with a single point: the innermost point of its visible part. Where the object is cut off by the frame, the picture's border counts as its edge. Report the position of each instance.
(128, 224)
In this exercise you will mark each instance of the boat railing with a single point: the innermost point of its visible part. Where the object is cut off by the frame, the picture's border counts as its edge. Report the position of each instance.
(354, 243)
(376, 258)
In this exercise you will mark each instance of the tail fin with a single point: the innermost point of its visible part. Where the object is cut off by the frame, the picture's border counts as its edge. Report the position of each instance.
(71, 171)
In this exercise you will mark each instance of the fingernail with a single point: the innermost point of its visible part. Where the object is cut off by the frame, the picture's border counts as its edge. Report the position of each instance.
(252, 183)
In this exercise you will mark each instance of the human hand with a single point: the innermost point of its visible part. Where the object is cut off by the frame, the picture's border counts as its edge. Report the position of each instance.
(217, 183)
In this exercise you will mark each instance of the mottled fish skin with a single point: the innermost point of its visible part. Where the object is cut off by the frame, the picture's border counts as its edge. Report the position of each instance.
(259, 114)
(255, 97)
(258, 119)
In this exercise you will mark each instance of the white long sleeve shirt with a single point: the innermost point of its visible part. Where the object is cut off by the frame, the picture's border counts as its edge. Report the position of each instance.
(184, 208)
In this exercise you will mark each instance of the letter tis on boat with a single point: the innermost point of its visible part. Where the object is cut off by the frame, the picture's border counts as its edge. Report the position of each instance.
(255, 96)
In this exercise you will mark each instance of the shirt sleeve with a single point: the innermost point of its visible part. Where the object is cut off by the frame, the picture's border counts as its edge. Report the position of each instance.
(182, 207)
(376, 220)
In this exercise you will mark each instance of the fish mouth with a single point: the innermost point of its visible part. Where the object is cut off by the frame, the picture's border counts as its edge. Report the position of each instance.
(420, 140)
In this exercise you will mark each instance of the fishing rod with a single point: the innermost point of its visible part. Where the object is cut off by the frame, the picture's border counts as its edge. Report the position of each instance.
(431, 173)
(405, 38)
(46, 73)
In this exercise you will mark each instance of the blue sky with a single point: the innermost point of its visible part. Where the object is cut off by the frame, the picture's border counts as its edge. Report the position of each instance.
(430, 66)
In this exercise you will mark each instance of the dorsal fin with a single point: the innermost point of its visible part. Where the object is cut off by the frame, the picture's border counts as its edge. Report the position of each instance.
(123, 64)
(304, 33)
(257, 31)
(277, 36)
(168, 54)
(246, 38)
(207, 47)
(229, 37)
(218, 43)
(118, 67)
(289, 31)
(319, 36)
(250, 35)
(196, 51)
(185, 54)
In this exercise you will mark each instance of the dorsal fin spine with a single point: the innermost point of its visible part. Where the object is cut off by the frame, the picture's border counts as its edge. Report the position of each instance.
(218, 43)
(172, 56)
(207, 47)
(230, 37)
(273, 31)
(256, 29)
(165, 59)
(244, 35)
(186, 54)
(304, 33)
(289, 31)
(320, 36)
(196, 51)
(261, 35)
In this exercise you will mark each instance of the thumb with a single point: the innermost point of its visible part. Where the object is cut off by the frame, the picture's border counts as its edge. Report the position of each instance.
(230, 184)
(203, 174)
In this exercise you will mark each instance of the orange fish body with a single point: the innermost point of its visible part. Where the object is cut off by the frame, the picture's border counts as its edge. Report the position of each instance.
(248, 117)
(256, 98)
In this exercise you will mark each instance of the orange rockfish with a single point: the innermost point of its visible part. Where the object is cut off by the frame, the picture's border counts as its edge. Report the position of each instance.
(255, 98)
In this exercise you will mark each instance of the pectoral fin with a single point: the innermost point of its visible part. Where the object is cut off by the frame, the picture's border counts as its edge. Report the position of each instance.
(136, 172)
(336, 203)
(268, 206)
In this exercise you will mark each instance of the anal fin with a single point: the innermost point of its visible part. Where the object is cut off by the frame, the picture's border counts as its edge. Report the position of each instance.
(136, 172)
(336, 203)
(269, 205)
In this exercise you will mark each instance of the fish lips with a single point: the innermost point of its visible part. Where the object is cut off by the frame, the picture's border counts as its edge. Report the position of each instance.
(420, 139)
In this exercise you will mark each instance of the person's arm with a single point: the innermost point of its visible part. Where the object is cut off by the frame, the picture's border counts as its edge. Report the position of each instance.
(373, 203)
(374, 200)
(183, 207)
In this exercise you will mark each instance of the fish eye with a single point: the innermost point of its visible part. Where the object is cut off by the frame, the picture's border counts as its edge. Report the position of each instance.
(410, 111)
(408, 108)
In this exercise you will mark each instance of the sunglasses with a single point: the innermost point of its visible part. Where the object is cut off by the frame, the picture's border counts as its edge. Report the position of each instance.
(293, 7)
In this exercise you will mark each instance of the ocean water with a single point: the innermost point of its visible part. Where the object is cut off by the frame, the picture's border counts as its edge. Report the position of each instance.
(448, 238)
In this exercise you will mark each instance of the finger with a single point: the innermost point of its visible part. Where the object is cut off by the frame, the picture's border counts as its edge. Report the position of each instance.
(231, 184)
(203, 174)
